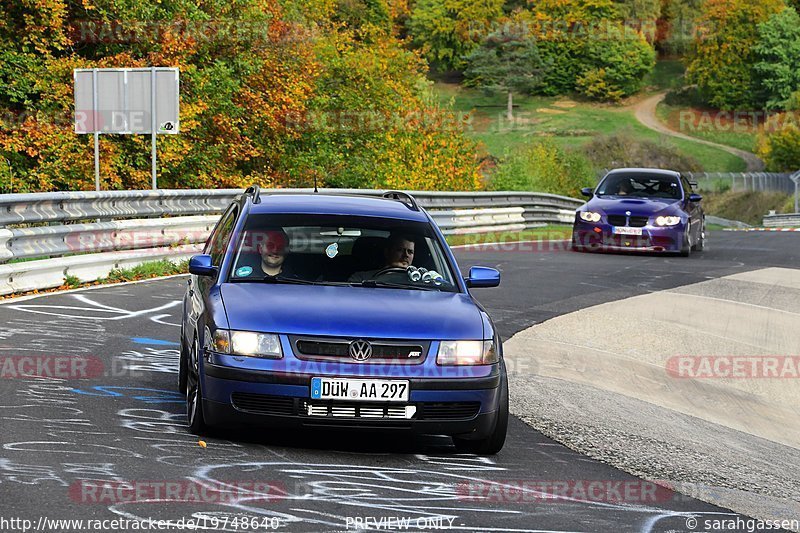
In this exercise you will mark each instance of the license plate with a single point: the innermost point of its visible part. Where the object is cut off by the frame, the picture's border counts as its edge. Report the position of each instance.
(626, 231)
(359, 390)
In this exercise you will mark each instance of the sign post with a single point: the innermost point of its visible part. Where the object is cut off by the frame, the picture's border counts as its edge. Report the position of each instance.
(127, 101)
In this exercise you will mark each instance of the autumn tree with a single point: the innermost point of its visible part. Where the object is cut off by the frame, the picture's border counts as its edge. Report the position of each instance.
(721, 63)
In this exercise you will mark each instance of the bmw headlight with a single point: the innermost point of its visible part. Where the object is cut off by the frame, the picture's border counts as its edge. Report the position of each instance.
(668, 221)
(247, 343)
(590, 216)
(467, 353)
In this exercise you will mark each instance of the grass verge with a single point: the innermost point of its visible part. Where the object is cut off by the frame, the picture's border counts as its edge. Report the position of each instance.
(709, 125)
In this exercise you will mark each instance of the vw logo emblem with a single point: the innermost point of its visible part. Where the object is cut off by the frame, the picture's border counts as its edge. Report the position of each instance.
(628, 213)
(360, 350)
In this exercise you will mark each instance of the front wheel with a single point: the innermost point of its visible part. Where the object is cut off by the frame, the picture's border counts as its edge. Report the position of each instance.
(495, 441)
(686, 245)
(194, 394)
(701, 239)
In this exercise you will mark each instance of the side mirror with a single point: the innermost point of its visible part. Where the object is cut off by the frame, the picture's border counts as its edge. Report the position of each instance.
(587, 192)
(200, 265)
(694, 197)
(482, 277)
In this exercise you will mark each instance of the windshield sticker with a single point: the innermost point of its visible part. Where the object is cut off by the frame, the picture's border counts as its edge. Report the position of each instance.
(242, 272)
(332, 250)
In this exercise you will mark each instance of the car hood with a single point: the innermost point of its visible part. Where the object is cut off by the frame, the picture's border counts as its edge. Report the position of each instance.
(351, 311)
(637, 206)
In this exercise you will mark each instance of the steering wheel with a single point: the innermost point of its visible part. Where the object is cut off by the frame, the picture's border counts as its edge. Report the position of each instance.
(389, 270)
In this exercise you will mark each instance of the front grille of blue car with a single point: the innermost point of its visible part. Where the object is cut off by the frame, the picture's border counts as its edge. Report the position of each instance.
(264, 404)
(622, 220)
(406, 352)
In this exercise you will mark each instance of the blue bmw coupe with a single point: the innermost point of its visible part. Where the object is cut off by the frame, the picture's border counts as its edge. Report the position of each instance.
(310, 310)
(640, 209)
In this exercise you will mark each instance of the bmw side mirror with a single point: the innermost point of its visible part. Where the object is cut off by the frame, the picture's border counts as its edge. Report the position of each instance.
(482, 277)
(200, 265)
(587, 192)
(694, 197)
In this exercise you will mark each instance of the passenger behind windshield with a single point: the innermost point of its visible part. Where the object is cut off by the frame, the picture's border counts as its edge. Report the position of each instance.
(398, 253)
(272, 247)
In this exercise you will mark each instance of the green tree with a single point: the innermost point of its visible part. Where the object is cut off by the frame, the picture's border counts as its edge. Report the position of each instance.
(507, 60)
(615, 68)
(677, 26)
(721, 63)
(777, 53)
(448, 30)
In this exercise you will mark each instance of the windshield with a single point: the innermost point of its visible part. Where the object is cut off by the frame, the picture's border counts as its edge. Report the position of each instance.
(640, 186)
(340, 250)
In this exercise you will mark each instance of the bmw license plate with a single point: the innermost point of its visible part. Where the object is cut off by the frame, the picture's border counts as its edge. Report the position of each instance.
(626, 231)
(359, 390)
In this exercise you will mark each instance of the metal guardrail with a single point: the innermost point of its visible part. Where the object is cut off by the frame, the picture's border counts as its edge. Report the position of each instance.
(87, 234)
(791, 220)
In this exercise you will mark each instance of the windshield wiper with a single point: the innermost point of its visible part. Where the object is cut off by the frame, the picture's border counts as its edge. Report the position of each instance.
(388, 285)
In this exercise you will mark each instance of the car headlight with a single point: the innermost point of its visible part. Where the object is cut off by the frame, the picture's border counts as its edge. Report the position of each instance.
(590, 216)
(247, 343)
(668, 221)
(467, 353)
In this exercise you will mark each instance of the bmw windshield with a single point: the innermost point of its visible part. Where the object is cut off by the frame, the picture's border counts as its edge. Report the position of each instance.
(341, 250)
(640, 185)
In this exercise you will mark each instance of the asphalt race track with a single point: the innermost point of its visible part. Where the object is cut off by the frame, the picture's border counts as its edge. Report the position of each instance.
(76, 448)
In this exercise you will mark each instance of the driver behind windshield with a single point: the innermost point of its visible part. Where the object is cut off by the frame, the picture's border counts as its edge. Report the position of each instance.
(397, 253)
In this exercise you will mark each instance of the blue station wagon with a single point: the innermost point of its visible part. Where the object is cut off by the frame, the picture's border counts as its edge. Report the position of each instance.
(342, 311)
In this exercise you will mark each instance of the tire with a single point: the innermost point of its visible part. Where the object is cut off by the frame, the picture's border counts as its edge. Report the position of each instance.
(182, 366)
(494, 442)
(686, 247)
(701, 239)
(194, 395)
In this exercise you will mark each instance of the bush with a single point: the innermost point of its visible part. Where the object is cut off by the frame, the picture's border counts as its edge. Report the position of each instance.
(543, 167)
(615, 68)
(780, 149)
(626, 150)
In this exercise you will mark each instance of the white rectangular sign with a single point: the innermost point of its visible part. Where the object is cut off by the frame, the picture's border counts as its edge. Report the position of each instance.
(120, 100)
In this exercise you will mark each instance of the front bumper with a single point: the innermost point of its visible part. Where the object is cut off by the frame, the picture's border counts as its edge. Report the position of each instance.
(455, 401)
(600, 237)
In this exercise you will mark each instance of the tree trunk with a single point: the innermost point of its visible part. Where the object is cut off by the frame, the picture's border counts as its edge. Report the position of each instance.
(510, 113)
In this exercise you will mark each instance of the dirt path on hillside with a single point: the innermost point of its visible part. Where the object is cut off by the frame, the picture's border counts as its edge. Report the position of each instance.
(645, 112)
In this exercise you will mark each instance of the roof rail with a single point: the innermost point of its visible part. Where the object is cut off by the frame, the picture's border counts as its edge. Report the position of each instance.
(255, 192)
(404, 197)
